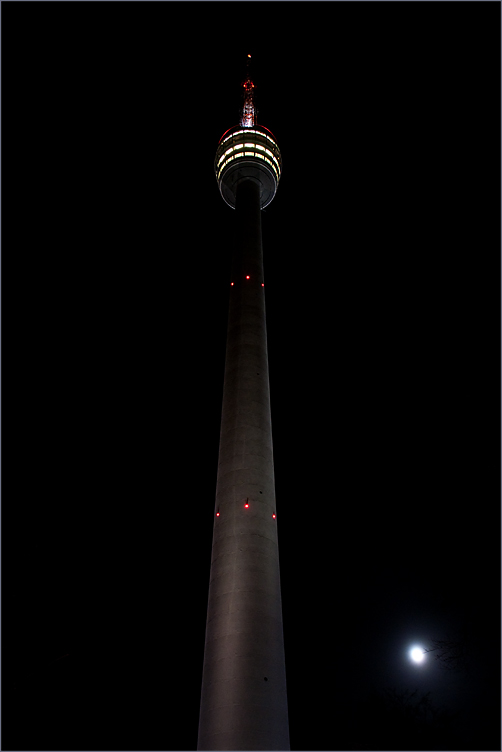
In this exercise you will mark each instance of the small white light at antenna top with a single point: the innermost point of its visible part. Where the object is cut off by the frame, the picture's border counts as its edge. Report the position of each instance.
(249, 55)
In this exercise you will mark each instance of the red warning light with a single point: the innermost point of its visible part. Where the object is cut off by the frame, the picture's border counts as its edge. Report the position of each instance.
(273, 516)
(217, 514)
(231, 284)
(246, 506)
(262, 284)
(247, 276)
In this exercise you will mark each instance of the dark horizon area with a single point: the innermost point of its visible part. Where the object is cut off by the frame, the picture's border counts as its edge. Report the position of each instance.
(382, 283)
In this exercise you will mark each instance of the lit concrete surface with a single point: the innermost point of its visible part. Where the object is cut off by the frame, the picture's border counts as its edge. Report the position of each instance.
(244, 700)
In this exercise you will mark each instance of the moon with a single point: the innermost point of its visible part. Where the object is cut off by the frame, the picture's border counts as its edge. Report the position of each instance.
(417, 655)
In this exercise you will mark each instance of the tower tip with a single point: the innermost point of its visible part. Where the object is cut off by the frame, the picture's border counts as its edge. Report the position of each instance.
(248, 112)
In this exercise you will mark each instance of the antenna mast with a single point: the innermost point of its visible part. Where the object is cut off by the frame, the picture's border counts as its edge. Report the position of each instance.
(249, 112)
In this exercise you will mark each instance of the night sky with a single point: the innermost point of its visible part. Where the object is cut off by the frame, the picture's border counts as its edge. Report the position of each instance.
(382, 281)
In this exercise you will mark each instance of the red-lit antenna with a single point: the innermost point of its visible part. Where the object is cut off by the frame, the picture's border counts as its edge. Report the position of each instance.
(249, 111)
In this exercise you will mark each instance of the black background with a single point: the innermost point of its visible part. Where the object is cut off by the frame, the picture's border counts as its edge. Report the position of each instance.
(382, 268)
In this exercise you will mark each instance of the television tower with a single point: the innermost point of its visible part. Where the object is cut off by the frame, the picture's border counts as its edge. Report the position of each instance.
(243, 700)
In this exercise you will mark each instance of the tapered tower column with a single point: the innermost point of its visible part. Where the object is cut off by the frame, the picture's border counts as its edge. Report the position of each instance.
(244, 701)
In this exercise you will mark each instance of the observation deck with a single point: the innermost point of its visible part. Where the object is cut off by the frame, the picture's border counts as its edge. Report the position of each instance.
(248, 153)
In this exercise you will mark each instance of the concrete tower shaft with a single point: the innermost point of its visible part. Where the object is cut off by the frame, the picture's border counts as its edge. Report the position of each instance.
(244, 700)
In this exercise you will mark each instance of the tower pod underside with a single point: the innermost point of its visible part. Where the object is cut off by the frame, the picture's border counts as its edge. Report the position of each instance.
(245, 153)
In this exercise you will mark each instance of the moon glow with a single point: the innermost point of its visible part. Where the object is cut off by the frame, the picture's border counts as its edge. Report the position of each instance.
(417, 655)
